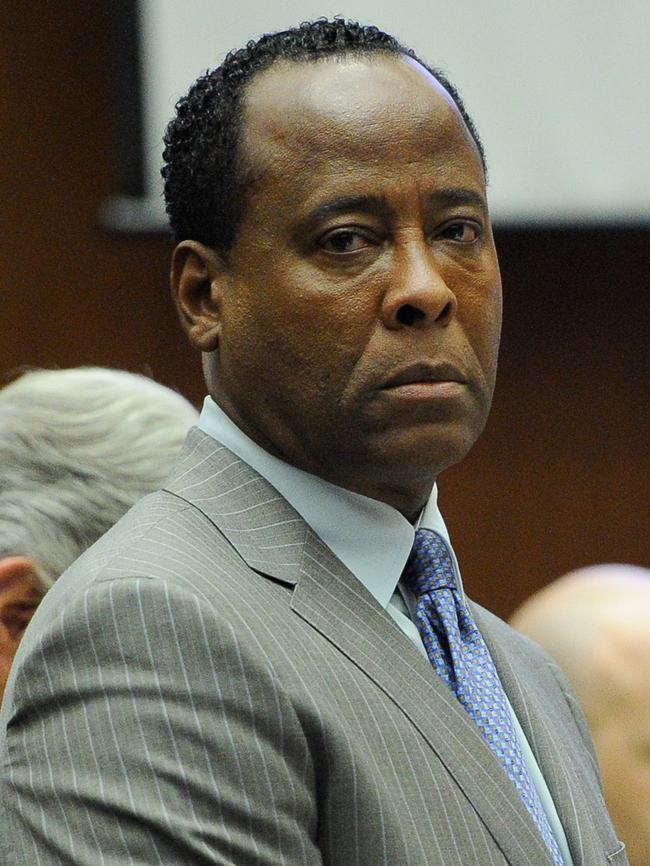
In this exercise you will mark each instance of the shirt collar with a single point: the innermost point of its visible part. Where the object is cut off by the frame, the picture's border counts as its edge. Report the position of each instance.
(369, 537)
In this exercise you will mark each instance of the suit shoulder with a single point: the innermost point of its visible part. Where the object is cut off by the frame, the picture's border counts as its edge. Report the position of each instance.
(160, 537)
(145, 534)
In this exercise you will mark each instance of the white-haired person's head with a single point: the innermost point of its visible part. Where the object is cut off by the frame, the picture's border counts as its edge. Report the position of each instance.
(78, 448)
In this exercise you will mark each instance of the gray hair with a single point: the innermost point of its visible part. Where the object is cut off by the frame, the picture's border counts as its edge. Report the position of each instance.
(77, 448)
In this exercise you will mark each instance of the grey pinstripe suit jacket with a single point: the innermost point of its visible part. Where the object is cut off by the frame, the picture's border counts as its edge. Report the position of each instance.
(209, 685)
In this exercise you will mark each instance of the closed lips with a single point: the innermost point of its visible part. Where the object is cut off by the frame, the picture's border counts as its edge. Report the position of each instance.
(422, 372)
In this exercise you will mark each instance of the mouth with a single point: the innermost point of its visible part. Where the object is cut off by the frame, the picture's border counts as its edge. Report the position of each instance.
(426, 374)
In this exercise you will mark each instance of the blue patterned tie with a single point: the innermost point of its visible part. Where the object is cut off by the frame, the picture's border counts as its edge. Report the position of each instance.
(461, 659)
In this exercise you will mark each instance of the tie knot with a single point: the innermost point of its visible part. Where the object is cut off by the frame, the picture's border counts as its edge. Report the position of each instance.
(429, 566)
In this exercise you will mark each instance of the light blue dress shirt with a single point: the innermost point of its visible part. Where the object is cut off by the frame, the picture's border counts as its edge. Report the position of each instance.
(369, 537)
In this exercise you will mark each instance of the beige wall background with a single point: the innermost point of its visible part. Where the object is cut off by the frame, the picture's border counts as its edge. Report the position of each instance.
(560, 477)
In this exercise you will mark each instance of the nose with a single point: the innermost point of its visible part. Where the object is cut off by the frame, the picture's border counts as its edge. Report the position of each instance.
(418, 294)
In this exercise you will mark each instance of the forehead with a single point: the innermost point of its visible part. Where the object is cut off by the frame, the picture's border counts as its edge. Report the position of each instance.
(353, 114)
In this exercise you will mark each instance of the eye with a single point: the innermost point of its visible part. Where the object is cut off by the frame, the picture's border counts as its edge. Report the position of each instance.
(461, 231)
(346, 241)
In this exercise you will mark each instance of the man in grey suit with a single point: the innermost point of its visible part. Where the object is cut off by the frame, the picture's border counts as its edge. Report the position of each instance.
(249, 668)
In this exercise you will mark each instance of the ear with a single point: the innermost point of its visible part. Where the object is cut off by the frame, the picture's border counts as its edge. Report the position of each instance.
(20, 595)
(199, 277)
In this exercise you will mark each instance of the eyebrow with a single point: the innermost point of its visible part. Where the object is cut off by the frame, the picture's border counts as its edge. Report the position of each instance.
(379, 206)
(459, 195)
(369, 203)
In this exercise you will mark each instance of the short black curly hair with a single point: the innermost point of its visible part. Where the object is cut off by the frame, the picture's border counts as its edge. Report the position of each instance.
(205, 186)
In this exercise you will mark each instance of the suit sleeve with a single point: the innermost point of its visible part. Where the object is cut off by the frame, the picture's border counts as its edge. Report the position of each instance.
(147, 729)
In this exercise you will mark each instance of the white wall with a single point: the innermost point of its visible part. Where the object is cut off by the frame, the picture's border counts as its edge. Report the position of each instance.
(559, 89)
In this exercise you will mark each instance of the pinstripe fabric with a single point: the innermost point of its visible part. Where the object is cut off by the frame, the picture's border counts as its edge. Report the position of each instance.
(209, 685)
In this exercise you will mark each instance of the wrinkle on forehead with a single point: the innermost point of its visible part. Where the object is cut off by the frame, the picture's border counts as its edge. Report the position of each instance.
(366, 102)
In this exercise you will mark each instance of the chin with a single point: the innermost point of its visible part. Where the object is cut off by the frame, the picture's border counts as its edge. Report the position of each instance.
(430, 451)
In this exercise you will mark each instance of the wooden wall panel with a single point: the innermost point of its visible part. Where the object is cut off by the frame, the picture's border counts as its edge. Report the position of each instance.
(69, 292)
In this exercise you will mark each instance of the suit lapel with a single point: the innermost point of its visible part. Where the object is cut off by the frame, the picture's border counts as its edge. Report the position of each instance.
(568, 780)
(259, 523)
(274, 541)
(335, 603)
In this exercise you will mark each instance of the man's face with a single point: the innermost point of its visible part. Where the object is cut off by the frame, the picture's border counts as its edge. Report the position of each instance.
(361, 317)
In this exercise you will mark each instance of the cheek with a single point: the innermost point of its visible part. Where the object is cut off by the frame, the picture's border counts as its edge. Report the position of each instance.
(487, 301)
(309, 345)
(494, 334)
(308, 318)
(8, 648)
(480, 314)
